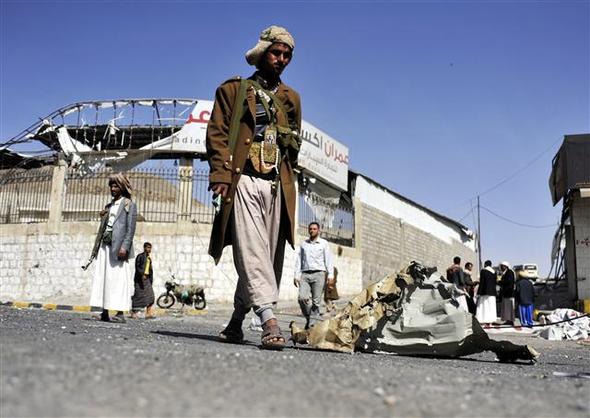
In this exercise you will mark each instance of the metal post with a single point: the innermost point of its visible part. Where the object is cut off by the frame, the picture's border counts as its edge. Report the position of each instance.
(479, 235)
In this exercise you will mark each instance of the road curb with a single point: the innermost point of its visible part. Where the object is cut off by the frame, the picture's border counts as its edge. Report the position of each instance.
(84, 308)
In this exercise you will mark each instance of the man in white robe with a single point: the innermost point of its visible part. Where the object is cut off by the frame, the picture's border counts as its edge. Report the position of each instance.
(486, 295)
(112, 286)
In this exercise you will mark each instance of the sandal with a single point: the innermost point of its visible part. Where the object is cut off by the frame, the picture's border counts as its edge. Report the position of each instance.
(102, 317)
(232, 334)
(118, 318)
(272, 338)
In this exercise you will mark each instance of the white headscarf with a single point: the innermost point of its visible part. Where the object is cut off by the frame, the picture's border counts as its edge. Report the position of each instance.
(269, 36)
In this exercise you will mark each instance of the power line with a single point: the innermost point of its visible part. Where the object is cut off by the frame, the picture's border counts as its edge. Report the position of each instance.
(466, 215)
(520, 170)
(511, 176)
(516, 223)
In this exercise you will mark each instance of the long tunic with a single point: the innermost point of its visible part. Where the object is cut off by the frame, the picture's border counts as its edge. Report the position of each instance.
(112, 285)
(486, 309)
(486, 301)
(507, 293)
(143, 295)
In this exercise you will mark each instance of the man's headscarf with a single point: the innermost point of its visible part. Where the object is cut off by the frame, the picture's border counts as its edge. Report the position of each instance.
(121, 180)
(269, 36)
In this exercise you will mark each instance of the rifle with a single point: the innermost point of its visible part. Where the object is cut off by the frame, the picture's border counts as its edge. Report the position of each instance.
(99, 236)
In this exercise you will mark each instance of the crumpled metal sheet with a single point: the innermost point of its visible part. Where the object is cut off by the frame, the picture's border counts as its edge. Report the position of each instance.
(362, 313)
(412, 312)
(427, 321)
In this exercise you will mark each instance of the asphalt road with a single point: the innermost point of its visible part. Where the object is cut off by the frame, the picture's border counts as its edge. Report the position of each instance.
(65, 364)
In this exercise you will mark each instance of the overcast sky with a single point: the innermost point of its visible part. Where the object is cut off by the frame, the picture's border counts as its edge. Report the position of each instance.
(438, 100)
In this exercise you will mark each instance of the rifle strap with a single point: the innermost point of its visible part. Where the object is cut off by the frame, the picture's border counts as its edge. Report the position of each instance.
(239, 106)
(272, 96)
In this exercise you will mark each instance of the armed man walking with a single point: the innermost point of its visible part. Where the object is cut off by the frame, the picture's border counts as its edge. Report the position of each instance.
(252, 144)
(312, 264)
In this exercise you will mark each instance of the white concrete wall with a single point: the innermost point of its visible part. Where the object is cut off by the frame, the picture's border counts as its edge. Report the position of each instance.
(377, 197)
(41, 265)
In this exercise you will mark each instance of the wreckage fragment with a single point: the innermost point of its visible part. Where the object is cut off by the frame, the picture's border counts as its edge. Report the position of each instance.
(414, 312)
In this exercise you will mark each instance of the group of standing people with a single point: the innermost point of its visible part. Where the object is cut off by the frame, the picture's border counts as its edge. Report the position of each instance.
(511, 292)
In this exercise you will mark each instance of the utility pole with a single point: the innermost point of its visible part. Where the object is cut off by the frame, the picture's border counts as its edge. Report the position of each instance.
(479, 235)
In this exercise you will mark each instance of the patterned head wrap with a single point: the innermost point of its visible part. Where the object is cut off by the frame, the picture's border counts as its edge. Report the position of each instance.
(269, 36)
(121, 180)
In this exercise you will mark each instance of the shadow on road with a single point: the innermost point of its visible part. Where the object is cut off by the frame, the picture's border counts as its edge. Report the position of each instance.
(306, 348)
(186, 335)
(213, 338)
(204, 337)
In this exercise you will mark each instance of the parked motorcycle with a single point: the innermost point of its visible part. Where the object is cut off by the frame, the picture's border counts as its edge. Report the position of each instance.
(187, 295)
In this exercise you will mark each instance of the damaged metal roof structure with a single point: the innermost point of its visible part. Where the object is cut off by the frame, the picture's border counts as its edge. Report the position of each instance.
(120, 133)
(9, 159)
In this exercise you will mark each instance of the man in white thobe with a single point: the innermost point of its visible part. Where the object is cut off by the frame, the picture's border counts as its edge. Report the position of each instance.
(112, 286)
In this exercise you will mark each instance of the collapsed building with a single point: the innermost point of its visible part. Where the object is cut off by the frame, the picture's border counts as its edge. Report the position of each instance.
(570, 182)
(49, 203)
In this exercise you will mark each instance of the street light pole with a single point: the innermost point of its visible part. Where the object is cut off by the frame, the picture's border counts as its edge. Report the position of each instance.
(478, 234)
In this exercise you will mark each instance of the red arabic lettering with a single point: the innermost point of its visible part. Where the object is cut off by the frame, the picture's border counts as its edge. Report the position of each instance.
(203, 117)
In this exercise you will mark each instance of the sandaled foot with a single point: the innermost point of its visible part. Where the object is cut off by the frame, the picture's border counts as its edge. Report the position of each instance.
(104, 317)
(272, 338)
(150, 312)
(118, 318)
(232, 334)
